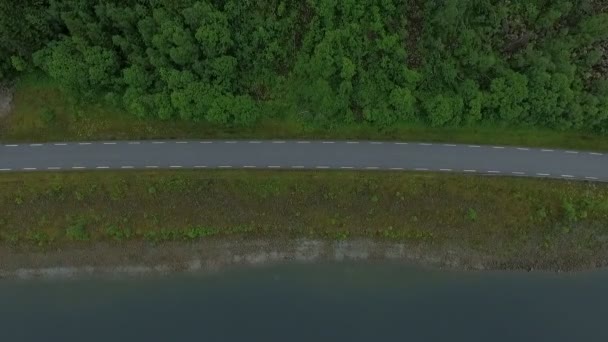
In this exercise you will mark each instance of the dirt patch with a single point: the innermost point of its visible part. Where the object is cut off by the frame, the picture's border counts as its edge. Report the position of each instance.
(6, 100)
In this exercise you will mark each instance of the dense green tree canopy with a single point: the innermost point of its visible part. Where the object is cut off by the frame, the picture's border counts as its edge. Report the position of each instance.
(326, 62)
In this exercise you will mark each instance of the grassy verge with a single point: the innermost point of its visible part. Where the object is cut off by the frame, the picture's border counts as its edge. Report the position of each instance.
(554, 224)
(43, 113)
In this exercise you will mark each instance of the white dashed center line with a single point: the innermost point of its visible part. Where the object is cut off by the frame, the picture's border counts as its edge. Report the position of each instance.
(572, 152)
(297, 167)
(543, 174)
(53, 168)
(151, 167)
(29, 168)
(109, 143)
(470, 170)
(102, 167)
(523, 149)
(60, 144)
(175, 166)
(255, 142)
(303, 142)
(493, 171)
(421, 169)
(35, 145)
(545, 150)
(474, 146)
(445, 169)
(158, 142)
(84, 143)
(322, 167)
(126, 167)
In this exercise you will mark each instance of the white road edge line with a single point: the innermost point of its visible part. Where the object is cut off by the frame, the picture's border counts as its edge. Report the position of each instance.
(596, 154)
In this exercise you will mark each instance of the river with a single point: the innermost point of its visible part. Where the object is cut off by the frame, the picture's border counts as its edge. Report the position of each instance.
(322, 302)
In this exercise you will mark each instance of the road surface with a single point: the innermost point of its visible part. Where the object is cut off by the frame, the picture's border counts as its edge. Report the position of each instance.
(305, 154)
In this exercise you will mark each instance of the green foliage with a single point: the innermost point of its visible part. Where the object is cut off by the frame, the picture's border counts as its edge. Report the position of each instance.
(118, 234)
(77, 231)
(326, 63)
(472, 215)
(48, 116)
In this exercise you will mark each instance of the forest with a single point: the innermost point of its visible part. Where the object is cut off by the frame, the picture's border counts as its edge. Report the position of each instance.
(525, 63)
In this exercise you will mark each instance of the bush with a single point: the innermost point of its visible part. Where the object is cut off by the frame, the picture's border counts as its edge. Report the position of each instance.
(77, 232)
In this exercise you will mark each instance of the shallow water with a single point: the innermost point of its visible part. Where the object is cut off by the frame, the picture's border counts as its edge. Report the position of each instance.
(350, 302)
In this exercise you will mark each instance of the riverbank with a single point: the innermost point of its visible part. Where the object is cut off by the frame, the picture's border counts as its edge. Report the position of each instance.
(164, 219)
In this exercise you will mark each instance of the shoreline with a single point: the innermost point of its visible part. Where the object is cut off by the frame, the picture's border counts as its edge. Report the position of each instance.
(142, 259)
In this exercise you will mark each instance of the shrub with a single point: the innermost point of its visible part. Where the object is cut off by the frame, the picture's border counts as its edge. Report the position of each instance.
(77, 232)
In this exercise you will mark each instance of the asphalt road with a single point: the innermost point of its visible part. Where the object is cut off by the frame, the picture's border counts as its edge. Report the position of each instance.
(305, 154)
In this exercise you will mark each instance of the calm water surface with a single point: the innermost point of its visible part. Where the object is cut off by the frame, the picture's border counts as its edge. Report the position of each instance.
(333, 302)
